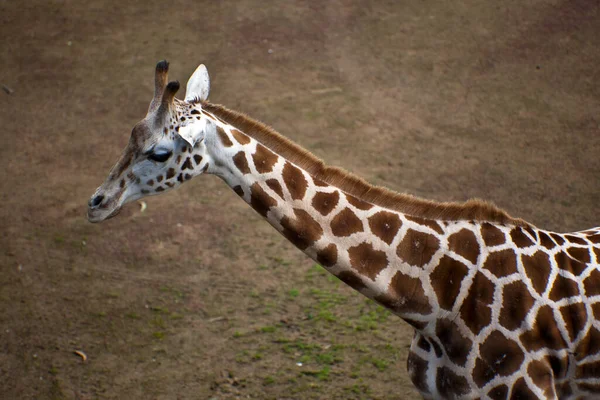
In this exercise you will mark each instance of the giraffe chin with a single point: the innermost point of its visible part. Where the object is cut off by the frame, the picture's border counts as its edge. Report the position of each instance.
(96, 216)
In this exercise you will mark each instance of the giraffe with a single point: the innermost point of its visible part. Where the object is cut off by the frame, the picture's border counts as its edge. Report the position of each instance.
(500, 308)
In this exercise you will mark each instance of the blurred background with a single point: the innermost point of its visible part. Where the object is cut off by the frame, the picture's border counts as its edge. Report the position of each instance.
(197, 297)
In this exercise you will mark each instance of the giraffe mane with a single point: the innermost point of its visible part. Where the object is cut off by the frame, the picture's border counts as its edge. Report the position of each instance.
(473, 209)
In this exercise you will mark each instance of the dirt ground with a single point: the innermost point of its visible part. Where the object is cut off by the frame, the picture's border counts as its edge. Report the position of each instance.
(197, 297)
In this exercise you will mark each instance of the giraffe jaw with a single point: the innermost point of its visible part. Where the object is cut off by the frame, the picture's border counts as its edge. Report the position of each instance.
(96, 216)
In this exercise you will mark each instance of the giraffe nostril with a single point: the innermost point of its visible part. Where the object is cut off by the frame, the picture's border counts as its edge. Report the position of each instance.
(95, 202)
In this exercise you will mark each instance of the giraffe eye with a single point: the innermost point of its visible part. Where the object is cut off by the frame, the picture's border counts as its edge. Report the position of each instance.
(160, 156)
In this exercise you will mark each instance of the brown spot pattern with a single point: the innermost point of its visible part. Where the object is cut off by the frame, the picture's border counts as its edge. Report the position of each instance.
(575, 317)
(294, 181)
(580, 254)
(327, 256)
(302, 230)
(170, 173)
(456, 346)
(475, 310)
(224, 138)
(516, 303)
(417, 248)
(351, 279)
(546, 241)
(588, 370)
(264, 159)
(563, 287)
(361, 205)
(425, 222)
(241, 163)
(464, 243)
(501, 263)
(240, 137)
(187, 164)
(575, 239)
(544, 333)
(417, 371)
(405, 295)
(260, 200)
(274, 185)
(449, 384)
(238, 190)
(499, 392)
(446, 280)
(557, 238)
(366, 260)
(385, 225)
(541, 375)
(324, 203)
(197, 159)
(501, 354)
(568, 264)
(521, 391)
(519, 238)
(492, 236)
(590, 344)
(537, 267)
(345, 223)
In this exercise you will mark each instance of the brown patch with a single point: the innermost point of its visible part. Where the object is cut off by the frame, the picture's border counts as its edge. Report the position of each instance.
(178, 159)
(541, 375)
(240, 137)
(563, 261)
(160, 189)
(482, 373)
(327, 256)
(464, 243)
(294, 181)
(197, 159)
(559, 366)
(537, 267)
(385, 225)
(501, 354)
(345, 223)
(423, 344)
(425, 222)
(241, 163)
(564, 390)
(492, 236)
(355, 186)
(575, 317)
(351, 279)
(274, 185)
(520, 391)
(499, 392)
(575, 239)
(417, 372)
(558, 238)
(149, 183)
(546, 241)
(449, 384)
(475, 310)
(405, 294)
(366, 260)
(596, 310)
(324, 203)
(591, 284)
(319, 182)
(417, 248)
(238, 190)
(591, 388)
(187, 164)
(302, 230)
(595, 238)
(520, 238)
(501, 263)
(159, 178)
(437, 349)
(170, 173)
(446, 280)
(516, 303)
(122, 183)
(563, 287)
(588, 370)
(360, 204)
(456, 346)
(580, 254)
(224, 138)
(418, 325)
(260, 200)
(590, 344)
(264, 160)
(545, 332)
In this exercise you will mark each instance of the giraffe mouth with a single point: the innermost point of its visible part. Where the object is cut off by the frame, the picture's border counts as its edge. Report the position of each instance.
(96, 216)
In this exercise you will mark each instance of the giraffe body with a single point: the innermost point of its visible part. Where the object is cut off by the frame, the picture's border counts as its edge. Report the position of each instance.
(500, 308)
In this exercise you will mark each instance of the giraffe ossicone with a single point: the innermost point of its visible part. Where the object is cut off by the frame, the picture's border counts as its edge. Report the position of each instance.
(501, 309)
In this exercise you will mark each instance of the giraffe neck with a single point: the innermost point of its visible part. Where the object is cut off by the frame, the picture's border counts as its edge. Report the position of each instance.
(382, 253)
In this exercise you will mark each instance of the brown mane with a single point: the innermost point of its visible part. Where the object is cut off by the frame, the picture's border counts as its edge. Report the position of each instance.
(474, 209)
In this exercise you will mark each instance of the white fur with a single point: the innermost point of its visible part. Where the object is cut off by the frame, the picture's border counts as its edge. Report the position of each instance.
(198, 86)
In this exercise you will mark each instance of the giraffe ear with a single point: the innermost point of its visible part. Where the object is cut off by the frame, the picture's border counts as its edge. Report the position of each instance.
(198, 85)
(195, 131)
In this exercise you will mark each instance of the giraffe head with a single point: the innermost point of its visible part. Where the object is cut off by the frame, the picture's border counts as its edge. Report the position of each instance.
(165, 149)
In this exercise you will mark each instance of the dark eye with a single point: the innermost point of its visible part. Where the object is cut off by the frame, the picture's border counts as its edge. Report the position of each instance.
(160, 156)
